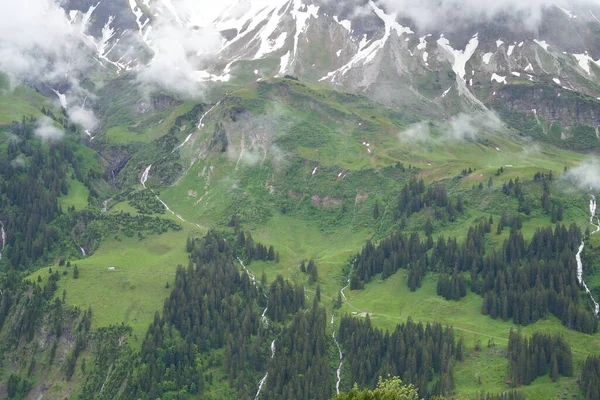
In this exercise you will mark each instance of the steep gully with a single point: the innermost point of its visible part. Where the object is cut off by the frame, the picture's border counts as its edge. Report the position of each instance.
(578, 256)
(265, 321)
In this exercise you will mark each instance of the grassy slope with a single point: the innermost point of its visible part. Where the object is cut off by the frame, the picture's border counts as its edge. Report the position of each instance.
(19, 101)
(339, 124)
(136, 289)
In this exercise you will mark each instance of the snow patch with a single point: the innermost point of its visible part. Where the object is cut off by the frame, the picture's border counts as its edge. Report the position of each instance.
(511, 48)
(568, 13)
(459, 57)
(498, 78)
(516, 73)
(301, 17)
(499, 43)
(542, 44)
(487, 57)
(285, 60)
(584, 61)
(529, 68)
(556, 80)
(344, 23)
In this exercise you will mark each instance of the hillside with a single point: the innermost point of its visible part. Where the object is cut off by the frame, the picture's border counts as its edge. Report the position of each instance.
(298, 197)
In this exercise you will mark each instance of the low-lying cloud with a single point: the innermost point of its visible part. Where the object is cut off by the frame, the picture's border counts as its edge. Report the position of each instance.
(83, 117)
(46, 130)
(460, 127)
(433, 14)
(586, 175)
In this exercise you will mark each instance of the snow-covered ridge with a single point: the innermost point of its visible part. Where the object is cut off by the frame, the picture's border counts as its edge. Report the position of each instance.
(368, 51)
(459, 58)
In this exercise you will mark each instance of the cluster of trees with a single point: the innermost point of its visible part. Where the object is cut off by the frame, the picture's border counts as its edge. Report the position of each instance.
(311, 269)
(145, 202)
(402, 251)
(453, 288)
(211, 307)
(539, 355)
(590, 378)
(34, 173)
(554, 208)
(300, 367)
(413, 198)
(519, 281)
(527, 282)
(285, 299)
(414, 352)
(254, 251)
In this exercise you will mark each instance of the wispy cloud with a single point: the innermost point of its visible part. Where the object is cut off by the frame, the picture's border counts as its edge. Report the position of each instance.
(46, 130)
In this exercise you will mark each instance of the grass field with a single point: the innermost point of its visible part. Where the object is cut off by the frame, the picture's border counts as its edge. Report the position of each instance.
(20, 101)
(390, 302)
(77, 197)
(135, 290)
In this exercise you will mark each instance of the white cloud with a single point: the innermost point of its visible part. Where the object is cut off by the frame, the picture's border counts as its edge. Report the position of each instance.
(586, 175)
(46, 130)
(416, 132)
(460, 127)
(179, 52)
(83, 117)
(37, 43)
(433, 14)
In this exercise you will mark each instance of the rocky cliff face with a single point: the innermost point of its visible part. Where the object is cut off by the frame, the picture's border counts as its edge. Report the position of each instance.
(368, 48)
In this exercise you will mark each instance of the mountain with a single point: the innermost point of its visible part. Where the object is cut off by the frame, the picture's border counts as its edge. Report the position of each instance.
(375, 51)
(284, 198)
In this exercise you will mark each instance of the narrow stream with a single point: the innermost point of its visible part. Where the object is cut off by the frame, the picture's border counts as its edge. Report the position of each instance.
(2, 237)
(339, 369)
(581, 247)
(265, 321)
(200, 125)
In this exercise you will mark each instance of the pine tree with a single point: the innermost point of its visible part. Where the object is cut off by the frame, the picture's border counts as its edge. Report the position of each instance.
(554, 373)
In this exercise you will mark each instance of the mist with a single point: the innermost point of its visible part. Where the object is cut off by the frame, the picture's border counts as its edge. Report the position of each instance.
(180, 49)
(47, 131)
(461, 127)
(433, 14)
(83, 117)
(37, 42)
(586, 175)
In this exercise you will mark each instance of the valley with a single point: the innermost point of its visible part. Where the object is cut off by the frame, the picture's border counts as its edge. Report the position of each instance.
(294, 199)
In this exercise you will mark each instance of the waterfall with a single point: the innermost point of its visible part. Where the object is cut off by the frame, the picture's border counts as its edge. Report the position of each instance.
(2, 237)
(144, 177)
(264, 319)
(339, 369)
(82, 250)
(578, 255)
(200, 125)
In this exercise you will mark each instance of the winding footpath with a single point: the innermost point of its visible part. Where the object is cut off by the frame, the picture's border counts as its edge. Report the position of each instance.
(581, 247)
